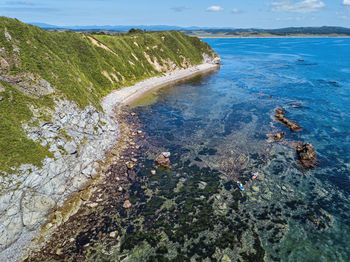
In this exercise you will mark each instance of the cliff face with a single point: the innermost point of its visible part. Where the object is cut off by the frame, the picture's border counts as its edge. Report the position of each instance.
(52, 126)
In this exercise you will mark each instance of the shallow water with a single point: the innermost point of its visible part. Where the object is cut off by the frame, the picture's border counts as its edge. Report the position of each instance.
(215, 126)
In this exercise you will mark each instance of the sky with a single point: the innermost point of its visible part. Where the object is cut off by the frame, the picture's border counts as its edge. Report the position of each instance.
(202, 13)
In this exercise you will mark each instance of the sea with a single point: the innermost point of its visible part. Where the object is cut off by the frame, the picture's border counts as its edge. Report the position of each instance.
(218, 128)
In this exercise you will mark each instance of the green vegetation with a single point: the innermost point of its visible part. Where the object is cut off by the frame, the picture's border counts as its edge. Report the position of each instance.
(80, 67)
(15, 147)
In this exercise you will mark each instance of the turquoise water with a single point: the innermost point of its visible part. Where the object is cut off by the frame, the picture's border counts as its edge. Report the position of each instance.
(216, 127)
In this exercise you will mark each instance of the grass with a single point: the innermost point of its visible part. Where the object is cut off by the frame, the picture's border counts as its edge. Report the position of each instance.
(78, 70)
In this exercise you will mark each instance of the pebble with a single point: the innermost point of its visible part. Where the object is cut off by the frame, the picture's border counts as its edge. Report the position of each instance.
(133, 114)
(133, 159)
(127, 204)
(153, 172)
(59, 252)
(120, 189)
(130, 165)
(113, 234)
(92, 205)
(139, 132)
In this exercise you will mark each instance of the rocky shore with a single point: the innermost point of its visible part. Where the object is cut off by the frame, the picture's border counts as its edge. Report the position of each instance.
(79, 140)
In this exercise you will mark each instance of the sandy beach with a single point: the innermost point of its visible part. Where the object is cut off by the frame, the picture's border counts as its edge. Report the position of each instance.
(128, 94)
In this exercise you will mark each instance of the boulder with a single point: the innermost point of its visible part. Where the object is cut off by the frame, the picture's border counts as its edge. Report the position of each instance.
(217, 61)
(8, 36)
(307, 155)
(163, 159)
(71, 148)
(4, 65)
(127, 204)
(279, 136)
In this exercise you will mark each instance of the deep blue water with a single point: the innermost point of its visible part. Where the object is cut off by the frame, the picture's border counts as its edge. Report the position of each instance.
(221, 121)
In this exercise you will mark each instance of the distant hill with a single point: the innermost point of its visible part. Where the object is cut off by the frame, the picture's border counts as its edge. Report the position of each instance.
(116, 28)
(290, 31)
(208, 31)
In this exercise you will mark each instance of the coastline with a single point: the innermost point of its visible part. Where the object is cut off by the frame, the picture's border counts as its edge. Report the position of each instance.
(273, 37)
(126, 95)
(119, 155)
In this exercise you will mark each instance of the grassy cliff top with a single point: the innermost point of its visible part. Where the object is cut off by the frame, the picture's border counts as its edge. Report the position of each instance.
(38, 67)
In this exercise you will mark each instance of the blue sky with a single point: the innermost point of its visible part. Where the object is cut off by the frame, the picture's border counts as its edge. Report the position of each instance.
(209, 13)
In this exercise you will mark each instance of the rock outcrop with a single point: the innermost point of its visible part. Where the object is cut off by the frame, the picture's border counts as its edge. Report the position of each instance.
(163, 159)
(280, 116)
(307, 155)
(78, 139)
(279, 136)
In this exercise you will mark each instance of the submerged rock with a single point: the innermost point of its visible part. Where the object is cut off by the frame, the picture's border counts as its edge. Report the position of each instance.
(279, 136)
(280, 116)
(127, 204)
(163, 159)
(307, 155)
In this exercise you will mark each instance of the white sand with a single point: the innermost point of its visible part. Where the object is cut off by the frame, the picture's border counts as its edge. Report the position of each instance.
(128, 94)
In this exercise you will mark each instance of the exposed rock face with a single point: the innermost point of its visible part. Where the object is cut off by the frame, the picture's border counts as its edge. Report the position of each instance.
(279, 115)
(163, 159)
(279, 136)
(307, 155)
(78, 139)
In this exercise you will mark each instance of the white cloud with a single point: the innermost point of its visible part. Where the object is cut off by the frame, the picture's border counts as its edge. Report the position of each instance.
(346, 2)
(236, 11)
(215, 8)
(305, 6)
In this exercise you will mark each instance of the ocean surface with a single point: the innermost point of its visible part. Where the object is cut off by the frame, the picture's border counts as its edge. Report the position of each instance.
(216, 128)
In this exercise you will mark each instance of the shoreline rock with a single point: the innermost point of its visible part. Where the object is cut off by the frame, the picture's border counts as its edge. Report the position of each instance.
(307, 155)
(280, 116)
(163, 160)
(279, 136)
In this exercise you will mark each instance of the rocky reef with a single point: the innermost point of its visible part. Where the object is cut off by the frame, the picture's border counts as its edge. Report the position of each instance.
(280, 116)
(307, 155)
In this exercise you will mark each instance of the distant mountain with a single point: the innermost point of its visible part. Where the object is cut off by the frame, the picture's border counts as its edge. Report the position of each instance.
(118, 28)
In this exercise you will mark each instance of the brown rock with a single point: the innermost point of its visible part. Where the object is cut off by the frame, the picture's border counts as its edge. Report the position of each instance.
(307, 155)
(127, 204)
(279, 136)
(130, 165)
(163, 159)
(114, 234)
(279, 115)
